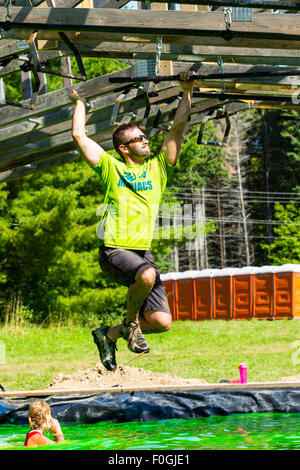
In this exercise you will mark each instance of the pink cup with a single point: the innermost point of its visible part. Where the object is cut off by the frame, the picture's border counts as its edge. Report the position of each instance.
(243, 373)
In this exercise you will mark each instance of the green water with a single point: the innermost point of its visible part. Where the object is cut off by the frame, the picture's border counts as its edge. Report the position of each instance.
(265, 431)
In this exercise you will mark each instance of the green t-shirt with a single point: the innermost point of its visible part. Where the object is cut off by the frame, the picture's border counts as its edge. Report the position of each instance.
(131, 203)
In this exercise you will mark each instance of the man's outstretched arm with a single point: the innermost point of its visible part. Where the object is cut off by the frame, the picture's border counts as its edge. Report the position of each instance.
(172, 143)
(89, 149)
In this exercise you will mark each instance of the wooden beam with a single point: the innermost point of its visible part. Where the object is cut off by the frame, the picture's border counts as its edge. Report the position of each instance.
(125, 38)
(100, 128)
(100, 131)
(223, 386)
(99, 104)
(186, 53)
(59, 98)
(43, 165)
(151, 22)
(9, 47)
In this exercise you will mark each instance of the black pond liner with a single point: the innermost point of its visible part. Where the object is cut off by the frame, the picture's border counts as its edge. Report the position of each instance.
(127, 406)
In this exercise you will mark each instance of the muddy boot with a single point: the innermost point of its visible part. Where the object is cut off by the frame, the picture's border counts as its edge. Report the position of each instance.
(106, 347)
(135, 339)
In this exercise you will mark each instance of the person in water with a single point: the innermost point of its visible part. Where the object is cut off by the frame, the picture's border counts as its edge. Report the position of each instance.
(40, 419)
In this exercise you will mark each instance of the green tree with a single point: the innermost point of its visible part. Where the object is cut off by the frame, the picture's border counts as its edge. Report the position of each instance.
(285, 247)
(273, 167)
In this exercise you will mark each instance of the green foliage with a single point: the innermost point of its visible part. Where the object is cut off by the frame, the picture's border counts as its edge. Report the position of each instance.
(286, 247)
(273, 165)
(50, 250)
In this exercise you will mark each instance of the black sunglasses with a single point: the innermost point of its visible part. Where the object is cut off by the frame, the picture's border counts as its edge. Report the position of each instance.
(137, 138)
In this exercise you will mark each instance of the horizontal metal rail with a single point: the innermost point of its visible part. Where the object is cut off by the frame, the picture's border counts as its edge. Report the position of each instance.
(210, 76)
(272, 5)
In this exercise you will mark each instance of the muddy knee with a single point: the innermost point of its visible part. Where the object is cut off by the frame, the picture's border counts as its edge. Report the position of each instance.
(146, 275)
(157, 322)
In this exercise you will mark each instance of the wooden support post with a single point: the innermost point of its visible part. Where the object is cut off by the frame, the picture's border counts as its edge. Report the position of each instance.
(66, 68)
(186, 7)
(2, 91)
(26, 85)
(166, 66)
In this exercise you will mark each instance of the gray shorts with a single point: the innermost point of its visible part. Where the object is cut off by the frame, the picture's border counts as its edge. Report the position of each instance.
(121, 266)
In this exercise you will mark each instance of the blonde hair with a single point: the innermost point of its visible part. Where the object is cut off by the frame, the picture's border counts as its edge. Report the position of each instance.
(37, 413)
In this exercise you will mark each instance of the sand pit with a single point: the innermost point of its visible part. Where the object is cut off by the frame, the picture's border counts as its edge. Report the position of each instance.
(291, 378)
(125, 376)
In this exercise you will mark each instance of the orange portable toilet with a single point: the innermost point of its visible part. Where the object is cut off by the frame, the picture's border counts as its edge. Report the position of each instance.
(184, 291)
(286, 291)
(203, 294)
(297, 293)
(263, 292)
(222, 293)
(242, 294)
(168, 281)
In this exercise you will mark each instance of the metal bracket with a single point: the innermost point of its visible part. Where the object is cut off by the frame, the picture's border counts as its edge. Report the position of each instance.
(113, 119)
(145, 88)
(220, 115)
(37, 65)
(158, 116)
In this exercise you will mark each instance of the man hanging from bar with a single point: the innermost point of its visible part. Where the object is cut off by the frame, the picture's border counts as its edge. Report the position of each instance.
(133, 184)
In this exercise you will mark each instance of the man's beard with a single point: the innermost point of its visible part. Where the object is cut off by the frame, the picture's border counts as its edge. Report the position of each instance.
(143, 152)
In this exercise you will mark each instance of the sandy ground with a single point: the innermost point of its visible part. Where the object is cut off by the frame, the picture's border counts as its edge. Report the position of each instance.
(125, 376)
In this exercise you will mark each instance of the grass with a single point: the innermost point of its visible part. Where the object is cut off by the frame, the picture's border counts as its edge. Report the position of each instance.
(209, 350)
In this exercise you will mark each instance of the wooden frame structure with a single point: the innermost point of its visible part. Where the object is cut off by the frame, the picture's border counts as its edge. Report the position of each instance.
(261, 50)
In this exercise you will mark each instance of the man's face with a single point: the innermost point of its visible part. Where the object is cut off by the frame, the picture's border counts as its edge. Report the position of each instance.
(136, 143)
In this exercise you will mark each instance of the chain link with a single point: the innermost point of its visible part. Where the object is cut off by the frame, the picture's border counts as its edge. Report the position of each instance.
(220, 63)
(7, 4)
(159, 44)
(227, 16)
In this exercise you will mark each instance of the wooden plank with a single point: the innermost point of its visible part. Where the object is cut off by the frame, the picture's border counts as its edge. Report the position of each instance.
(168, 39)
(57, 99)
(185, 53)
(98, 104)
(100, 131)
(8, 47)
(196, 118)
(153, 22)
(67, 157)
(39, 166)
(283, 85)
(205, 387)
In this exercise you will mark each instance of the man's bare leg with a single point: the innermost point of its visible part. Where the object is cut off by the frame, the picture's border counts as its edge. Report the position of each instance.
(155, 322)
(137, 293)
